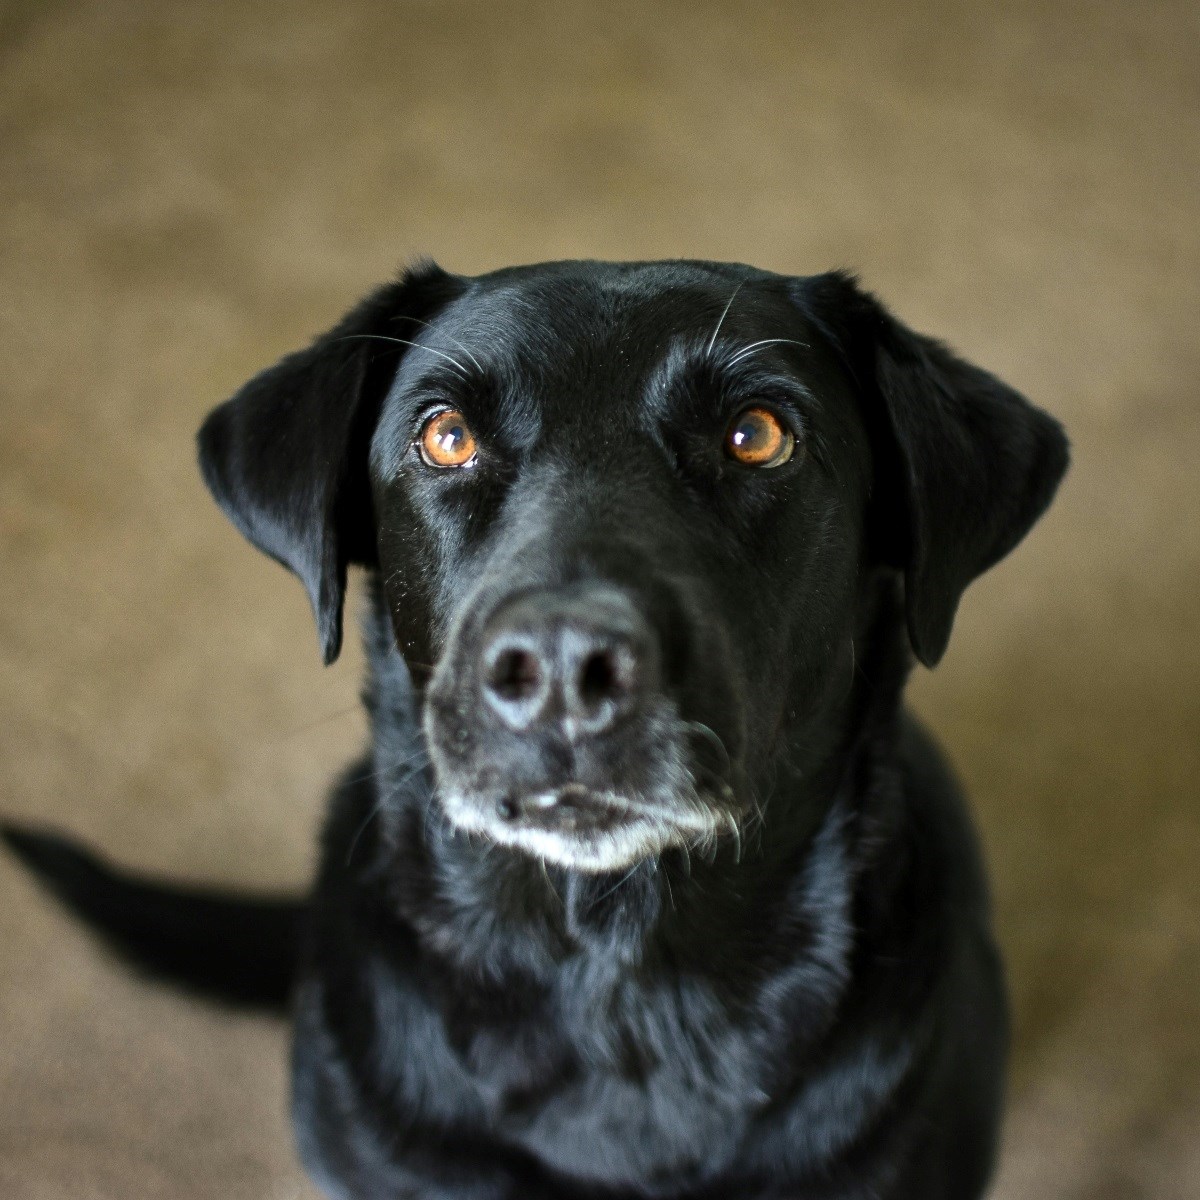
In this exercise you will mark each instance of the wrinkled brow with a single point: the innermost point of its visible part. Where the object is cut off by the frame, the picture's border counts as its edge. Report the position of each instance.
(731, 364)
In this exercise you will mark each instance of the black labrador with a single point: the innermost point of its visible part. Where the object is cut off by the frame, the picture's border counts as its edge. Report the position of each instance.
(648, 886)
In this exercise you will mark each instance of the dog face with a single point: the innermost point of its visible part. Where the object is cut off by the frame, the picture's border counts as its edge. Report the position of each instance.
(625, 518)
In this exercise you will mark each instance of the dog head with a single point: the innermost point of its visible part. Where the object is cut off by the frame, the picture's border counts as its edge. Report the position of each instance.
(625, 519)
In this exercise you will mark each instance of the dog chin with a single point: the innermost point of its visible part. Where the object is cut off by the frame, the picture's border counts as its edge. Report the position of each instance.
(615, 836)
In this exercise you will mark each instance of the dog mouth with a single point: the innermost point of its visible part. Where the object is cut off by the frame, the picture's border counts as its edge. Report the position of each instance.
(564, 722)
(587, 829)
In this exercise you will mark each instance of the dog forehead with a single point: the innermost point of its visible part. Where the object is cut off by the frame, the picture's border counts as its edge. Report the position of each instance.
(541, 315)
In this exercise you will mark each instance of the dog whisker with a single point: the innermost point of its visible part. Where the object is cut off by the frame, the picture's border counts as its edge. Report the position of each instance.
(754, 825)
(419, 756)
(431, 806)
(372, 813)
(429, 325)
(383, 799)
(712, 341)
(746, 351)
(620, 883)
(317, 722)
(736, 834)
(379, 337)
(712, 737)
(666, 878)
(549, 881)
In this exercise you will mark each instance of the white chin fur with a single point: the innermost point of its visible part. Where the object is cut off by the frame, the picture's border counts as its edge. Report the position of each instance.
(633, 841)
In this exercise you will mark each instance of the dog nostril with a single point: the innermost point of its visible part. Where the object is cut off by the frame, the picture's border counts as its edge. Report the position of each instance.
(598, 678)
(515, 675)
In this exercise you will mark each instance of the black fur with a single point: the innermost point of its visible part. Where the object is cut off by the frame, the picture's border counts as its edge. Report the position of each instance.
(723, 933)
(239, 949)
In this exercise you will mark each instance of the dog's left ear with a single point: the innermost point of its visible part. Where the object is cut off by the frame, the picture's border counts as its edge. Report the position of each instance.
(965, 464)
(286, 457)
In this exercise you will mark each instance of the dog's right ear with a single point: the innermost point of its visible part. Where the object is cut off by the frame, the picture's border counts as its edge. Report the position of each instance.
(286, 457)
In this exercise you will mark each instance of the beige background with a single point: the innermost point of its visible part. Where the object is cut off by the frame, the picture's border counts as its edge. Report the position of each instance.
(189, 190)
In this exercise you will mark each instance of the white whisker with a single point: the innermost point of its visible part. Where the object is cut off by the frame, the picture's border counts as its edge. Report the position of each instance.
(379, 337)
(712, 341)
(746, 351)
(429, 325)
(549, 881)
(394, 790)
(711, 735)
(666, 876)
(372, 813)
(623, 880)
(737, 836)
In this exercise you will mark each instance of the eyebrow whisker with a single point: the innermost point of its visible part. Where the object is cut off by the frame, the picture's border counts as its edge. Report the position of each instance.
(712, 341)
(378, 337)
(429, 325)
(748, 350)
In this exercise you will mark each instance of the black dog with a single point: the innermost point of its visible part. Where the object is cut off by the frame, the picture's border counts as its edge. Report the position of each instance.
(648, 887)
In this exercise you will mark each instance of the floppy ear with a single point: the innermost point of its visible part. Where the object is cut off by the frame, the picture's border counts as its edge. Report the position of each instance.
(965, 464)
(286, 457)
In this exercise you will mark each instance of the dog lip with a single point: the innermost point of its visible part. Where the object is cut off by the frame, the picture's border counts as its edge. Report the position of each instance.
(574, 807)
(569, 793)
(568, 811)
(590, 830)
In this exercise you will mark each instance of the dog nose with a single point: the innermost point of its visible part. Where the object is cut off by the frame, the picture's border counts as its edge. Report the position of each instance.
(580, 659)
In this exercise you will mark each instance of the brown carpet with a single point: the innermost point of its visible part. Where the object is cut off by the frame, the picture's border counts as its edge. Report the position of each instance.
(187, 190)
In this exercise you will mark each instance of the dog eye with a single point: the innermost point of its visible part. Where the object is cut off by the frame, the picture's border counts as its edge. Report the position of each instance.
(758, 438)
(447, 441)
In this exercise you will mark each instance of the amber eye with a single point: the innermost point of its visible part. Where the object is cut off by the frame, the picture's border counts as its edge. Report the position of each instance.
(758, 438)
(447, 440)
